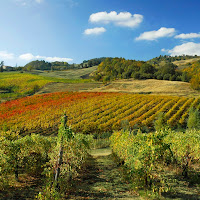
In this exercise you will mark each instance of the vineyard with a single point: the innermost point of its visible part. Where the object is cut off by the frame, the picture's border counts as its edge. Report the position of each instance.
(15, 84)
(147, 156)
(58, 160)
(92, 112)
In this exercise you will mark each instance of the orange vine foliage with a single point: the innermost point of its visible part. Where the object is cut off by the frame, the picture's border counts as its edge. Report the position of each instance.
(91, 112)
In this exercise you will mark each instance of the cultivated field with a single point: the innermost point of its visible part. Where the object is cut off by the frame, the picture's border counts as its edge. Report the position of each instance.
(93, 112)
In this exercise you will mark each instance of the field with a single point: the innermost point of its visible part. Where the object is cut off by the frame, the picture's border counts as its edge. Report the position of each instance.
(92, 112)
(67, 74)
(98, 111)
(150, 86)
(15, 84)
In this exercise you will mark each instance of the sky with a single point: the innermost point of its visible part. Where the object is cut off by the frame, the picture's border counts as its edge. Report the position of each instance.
(77, 30)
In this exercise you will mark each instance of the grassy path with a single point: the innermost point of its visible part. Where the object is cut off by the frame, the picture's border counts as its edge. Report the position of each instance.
(102, 179)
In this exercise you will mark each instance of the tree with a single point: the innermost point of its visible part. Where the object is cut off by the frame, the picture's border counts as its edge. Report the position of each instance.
(1, 66)
(193, 121)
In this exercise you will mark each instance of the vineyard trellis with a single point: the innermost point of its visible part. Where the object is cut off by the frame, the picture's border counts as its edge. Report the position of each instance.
(92, 112)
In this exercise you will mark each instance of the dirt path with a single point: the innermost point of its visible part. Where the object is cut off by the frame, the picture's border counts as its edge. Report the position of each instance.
(102, 179)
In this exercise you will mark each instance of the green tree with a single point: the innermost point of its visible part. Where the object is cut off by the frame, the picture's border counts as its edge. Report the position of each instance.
(193, 121)
(1, 66)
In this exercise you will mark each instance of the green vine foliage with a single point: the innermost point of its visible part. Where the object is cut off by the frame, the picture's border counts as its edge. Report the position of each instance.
(146, 155)
(69, 155)
(185, 147)
(27, 154)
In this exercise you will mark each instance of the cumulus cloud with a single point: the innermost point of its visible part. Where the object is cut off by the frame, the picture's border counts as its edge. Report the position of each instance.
(95, 31)
(4, 55)
(160, 33)
(189, 48)
(125, 19)
(188, 36)
(29, 56)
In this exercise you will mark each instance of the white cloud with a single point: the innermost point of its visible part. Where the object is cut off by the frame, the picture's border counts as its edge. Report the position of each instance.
(95, 31)
(188, 36)
(29, 56)
(189, 48)
(4, 55)
(153, 35)
(53, 59)
(38, 1)
(125, 19)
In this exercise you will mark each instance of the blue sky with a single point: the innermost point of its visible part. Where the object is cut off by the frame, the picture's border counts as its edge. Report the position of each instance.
(77, 30)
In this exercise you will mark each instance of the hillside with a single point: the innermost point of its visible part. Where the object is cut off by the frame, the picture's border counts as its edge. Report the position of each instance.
(185, 63)
(150, 86)
(67, 74)
(15, 84)
(161, 60)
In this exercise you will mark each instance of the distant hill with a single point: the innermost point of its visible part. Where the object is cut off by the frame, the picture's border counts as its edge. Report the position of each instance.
(178, 60)
(43, 65)
(120, 68)
(92, 62)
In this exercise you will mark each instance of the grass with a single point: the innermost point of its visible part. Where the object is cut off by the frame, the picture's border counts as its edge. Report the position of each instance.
(104, 178)
(184, 63)
(150, 86)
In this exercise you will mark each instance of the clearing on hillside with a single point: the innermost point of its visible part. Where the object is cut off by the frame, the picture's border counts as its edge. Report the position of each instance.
(150, 86)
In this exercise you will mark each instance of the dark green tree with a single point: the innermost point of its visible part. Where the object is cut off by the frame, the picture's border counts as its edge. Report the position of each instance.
(1, 66)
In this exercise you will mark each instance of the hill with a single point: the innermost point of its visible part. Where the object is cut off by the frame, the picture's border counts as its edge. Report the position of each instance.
(120, 68)
(15, 84)
(77, 73)
(161, 60)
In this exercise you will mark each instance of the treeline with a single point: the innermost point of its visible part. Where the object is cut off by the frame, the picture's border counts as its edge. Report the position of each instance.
(166, 58)
(119, 68)
(51, 66)
(91, 62)
(193, 71)
(43, 65)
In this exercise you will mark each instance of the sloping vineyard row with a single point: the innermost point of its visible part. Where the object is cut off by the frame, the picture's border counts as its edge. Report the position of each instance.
(91, 112)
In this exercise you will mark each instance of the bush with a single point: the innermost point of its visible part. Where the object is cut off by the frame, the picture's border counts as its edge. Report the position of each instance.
(166, 77)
